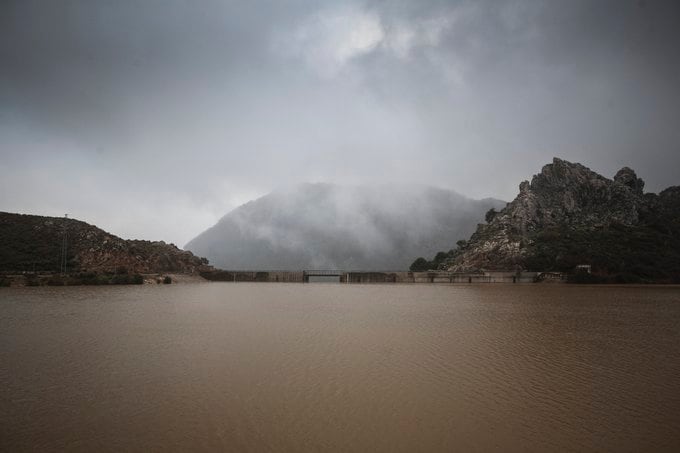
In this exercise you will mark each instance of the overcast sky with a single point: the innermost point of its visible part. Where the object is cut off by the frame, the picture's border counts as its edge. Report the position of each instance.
(152, 119)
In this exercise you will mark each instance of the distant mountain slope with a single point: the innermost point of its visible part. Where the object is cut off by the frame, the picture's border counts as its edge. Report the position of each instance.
(30, 242)
(332, 226)
(569, 215)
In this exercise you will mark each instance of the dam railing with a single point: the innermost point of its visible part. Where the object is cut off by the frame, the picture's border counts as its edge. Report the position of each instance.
(354, 276)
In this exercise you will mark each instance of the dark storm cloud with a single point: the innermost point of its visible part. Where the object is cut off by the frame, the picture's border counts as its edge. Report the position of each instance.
(79, 62)
(174, 112)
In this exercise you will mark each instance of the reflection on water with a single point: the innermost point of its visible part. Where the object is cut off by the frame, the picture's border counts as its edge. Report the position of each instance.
(292, 367)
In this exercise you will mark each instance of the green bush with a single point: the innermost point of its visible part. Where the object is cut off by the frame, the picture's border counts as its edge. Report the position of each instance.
(584, 277)
(627, 277)
(56, 281)
(119, 279)
(419, 265)
(93, 278)
(121, 270)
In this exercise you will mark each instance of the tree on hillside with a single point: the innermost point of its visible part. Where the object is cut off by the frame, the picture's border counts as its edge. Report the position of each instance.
(420, 265)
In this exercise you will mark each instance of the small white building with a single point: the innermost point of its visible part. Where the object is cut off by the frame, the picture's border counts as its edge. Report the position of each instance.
(583, 268)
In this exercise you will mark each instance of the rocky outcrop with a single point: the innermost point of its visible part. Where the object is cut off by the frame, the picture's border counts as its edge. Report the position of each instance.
(628, 178)
(568, 213)
(34, 243)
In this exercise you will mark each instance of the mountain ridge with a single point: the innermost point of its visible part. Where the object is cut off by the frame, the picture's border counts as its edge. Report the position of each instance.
(322, 225)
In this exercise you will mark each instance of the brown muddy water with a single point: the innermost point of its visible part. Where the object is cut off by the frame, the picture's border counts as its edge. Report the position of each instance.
(292, 367)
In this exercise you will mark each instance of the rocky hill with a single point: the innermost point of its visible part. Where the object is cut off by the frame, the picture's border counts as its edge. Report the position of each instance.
(34, 243)
(569, 215)
(378, 227)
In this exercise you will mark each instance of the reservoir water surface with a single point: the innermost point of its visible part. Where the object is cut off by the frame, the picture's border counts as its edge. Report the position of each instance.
(329, 367)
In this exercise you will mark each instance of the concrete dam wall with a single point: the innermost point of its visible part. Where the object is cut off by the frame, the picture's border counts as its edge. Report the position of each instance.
(306, 276)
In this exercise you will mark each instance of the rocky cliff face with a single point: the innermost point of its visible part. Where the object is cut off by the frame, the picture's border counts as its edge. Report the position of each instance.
(34, 243)
(567, 214)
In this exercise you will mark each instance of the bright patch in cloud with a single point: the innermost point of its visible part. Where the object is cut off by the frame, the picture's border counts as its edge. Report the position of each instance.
(328, 40)
(402, 38)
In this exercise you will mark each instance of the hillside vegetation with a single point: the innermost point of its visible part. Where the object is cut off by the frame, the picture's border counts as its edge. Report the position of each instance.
(569, 215)
(33, 243)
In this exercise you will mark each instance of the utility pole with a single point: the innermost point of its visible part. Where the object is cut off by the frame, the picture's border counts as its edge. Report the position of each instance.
(64, 246)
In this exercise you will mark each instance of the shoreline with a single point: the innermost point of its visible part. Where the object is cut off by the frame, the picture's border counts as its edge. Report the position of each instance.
(48, 279)
(40, 279)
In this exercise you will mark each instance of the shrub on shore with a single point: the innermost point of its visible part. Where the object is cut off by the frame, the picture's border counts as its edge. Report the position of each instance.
(85, 278)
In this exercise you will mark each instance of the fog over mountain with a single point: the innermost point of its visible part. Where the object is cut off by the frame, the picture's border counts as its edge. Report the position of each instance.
(367, 227)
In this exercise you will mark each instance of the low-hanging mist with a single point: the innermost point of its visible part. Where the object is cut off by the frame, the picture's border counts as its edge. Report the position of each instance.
(368, 227)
